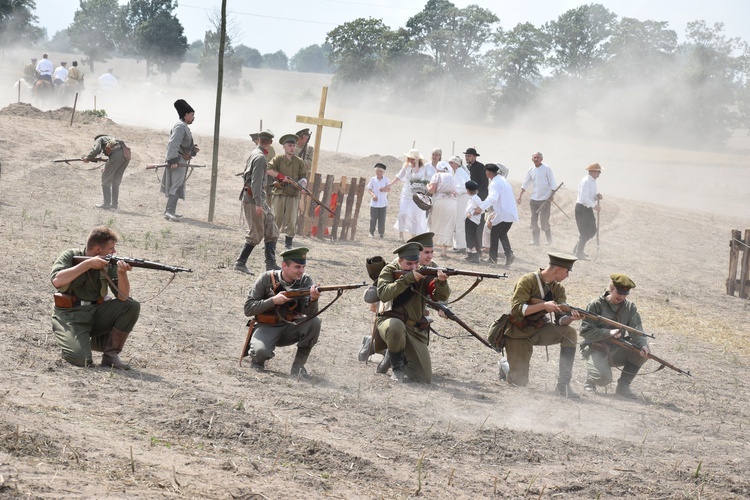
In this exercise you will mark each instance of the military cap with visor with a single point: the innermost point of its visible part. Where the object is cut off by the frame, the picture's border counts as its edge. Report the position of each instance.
(562, 260)
(288, 138)
(409, 251)
(304, 131)
(622, 283)
(424, 239)
(298, 255)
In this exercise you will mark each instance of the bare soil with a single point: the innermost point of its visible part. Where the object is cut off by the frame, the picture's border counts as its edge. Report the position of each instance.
(188, 421)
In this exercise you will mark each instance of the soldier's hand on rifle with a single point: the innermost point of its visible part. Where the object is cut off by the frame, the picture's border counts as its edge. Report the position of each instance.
(417, 277)
(258, 210)
(280, 298)
(173, 165)
(441, 276)
(615, 333)
(314, 293)
(95, 263)
(84, 159)
(123, 267)
(644, 352)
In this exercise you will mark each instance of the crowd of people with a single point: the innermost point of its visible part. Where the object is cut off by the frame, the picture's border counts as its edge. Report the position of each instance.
(40, 75)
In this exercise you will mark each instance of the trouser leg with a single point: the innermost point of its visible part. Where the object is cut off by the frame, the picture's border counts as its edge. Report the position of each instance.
(373, 219)
(518, 352)
(381, 221)
(494, 241)
(172, 204)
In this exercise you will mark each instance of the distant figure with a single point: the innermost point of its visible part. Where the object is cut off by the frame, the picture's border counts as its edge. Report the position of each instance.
(29, 72)
(44, 69)
(586, 204)
(75, 77)
(303, 148)
(61, 73)
(436, 160)
(108, 80)
(500, 198)
(461, 177)
(411, 218)
(378, 189)
(180, 150)
(442, 219)
(118, 157)
(543, 180)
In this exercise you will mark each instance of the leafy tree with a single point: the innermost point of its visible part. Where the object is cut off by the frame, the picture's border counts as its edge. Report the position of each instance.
(429, 31)
(194, 51)
(356, 48)
(208, 66)
(61, 42)
(250, 57)
(17, 21)
(276, 60)
(311, 59)
(95, 29)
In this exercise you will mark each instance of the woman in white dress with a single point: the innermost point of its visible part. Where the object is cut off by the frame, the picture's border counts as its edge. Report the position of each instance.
(436, 160)
(442, 219)
(411, 218)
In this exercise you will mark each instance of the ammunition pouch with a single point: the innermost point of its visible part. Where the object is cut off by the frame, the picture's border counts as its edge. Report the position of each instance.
(528, 323)
(496, 333)
(69, 301)
(422, 323)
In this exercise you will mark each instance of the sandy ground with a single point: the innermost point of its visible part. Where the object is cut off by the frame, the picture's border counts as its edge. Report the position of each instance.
(187, 421)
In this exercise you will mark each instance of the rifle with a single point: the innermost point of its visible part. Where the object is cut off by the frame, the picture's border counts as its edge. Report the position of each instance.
(68, 160)
(308, 193)
(151, 166)
(452, 316)
(433, 271)
(305, 292)
(629, 345)
(113, 259)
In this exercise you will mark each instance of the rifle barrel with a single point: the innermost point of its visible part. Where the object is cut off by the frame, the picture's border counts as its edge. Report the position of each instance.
(663, 363)
(432, 271)
(147, 264)
(602, 319)
(304, 292)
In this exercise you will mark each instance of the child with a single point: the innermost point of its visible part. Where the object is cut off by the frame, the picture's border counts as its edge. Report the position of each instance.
(473, 231)
(378, 188)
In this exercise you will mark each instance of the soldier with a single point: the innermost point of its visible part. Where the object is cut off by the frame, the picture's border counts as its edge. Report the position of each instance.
(29, 72)
(83, 320)
(75, 78)
(402, 326)
(269, 156)
(118, 158)
(286, 195)
(276, 314)
(534, 297)
(303, 148)
(599, 354)
(180, 150)
(259, 217)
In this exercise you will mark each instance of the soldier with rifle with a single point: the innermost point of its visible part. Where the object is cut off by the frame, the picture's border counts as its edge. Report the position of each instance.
(118, 158)
(303, 148)
(601, 355)
(286, 194)
(86, 318)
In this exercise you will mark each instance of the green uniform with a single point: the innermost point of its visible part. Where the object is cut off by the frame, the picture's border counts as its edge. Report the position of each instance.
(267, 337)
(86, 327)
(601, 355)
(402, 324)
(286, 199)
(306, 153)
(261, 227)
(114, 168)
(525, 332)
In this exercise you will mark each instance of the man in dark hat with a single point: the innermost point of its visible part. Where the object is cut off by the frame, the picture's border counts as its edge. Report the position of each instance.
(402, 326)
(477, 174)
(599, 354)
(286, 195)
(303, 148)
(118, 158)
(276, 314)
(260, 220)
(586, 204)
(535, 297)
(540, 201)
(180, 150)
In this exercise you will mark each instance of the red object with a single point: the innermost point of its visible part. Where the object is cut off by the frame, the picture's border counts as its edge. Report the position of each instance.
(280, 177)
(334, 200)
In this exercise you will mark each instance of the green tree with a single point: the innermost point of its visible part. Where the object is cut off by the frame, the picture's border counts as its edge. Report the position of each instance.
(61, 41)
(356, 48)
(429, 31)
(249, 56)
(95, 28)
(195, 51)
(208, 66)
(311, 59)
(17, 21)
(276, 60)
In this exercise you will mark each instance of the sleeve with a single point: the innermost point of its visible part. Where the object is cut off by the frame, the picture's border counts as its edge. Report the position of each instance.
(259, 298)
(258, 172)
(63, 261)
(635, 322)
(551, 178)
(402, 173)
(527, 181)
(311, 307)
(173, 146)
(591, 330)
(390, 287)
(521, 296)
(96, 149)
(492, 197)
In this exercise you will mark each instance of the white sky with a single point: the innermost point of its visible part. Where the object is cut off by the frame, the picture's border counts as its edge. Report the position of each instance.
(268, 28)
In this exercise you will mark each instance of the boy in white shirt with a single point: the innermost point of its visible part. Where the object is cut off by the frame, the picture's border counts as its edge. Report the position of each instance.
(473, 229)
(378, 188)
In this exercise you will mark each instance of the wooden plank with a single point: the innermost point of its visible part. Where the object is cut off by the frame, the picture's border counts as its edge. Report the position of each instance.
(339, 190)
(326, 122)
(360, 195)
(310, 215)
(733, 257)
(745, 269)
(349, 205)
(323, 214)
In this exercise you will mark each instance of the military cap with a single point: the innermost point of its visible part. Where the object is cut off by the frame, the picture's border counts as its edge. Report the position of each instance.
(254, 136)
(180, 105)
(424, 239)
(594, 167)
(380, 165)
(492, 167)
(304, 131)
(409, 251)
(298, 255)
(622, 283)
(562, 260)
(288, 138)
(265, 134)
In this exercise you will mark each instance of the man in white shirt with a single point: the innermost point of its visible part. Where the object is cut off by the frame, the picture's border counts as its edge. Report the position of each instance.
(108, 79)
(61, 73)
(543, 180)
(44, 68)
(586, 204)
(500, 198)
(461, 177)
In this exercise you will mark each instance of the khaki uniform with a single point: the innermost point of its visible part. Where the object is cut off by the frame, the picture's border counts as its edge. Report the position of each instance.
(306, 153)
(180, 143)
(401, 322)
(286, 199)
(114, 168)
(87, 326)
(525, 332)
(263, 227)
(600, 355)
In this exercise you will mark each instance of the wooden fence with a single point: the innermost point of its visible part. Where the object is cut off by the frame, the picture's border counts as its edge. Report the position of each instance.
(739, 259)
(343, 197)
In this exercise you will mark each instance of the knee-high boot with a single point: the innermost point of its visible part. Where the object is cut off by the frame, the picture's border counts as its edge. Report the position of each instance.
(241, 263)
(270, 250)
(567, 359)
(629, 371)
(113, 348)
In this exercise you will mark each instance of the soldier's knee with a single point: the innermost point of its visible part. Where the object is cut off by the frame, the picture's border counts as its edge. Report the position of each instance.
(77, 358)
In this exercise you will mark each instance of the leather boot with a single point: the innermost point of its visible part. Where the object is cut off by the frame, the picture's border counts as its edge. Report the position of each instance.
(241, 263)
(115, 196)
(270, 250)
(298, 365)
(107, 197)
(171, 211)
(112, 349)
(288, 242)
(629, 371)
(385, 363)
(567, 359)
(364, 352)
(398, 361)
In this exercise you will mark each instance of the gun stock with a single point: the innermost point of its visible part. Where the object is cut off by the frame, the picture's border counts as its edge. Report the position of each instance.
(147, 264)
(433, 271)
(629, 345)
(452, 316)
(305, 292)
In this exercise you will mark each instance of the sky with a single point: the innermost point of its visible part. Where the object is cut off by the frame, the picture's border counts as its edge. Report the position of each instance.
(300, 23)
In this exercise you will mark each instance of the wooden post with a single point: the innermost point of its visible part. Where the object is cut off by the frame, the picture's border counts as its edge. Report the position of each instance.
(323, 215)
(349, 206)
(337, 218)
(19, 90)
(73, 113)
(734, 249)
(360, 195)
(94, 102)
(745, 269)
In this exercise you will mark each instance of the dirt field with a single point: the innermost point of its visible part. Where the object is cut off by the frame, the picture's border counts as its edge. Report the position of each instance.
(187, 421)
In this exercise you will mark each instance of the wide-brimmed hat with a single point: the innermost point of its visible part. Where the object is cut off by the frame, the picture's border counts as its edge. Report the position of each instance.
(457, 160)
(471, 151)
(414, 154)
(594, 167)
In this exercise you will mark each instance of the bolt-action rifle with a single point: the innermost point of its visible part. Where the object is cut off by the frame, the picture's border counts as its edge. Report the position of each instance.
(68, 160)
(433, 271)
(114, 259)
(278, 183)
(151, 166)
(305, 292)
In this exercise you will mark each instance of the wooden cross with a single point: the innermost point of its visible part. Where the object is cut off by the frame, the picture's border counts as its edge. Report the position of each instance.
(321, 122)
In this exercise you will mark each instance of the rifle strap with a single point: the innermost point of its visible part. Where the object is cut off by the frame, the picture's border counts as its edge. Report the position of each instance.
(339, 293)
(248, 337)
(118, 292)
(472, 287)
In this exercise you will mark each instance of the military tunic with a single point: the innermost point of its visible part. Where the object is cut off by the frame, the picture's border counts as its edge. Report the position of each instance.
(267, 337)
(399, 318)
(600, 355)
(286, 199)
(116, 163)
(525, 332)
(306, 153)
(263, 226)
(179, 146)
(86, 327)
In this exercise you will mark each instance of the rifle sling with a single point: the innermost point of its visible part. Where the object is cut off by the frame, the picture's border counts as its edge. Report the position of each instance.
(306, 318)
(472, 287)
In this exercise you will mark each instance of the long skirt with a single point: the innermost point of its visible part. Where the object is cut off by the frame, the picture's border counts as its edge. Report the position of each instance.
(443, 220)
